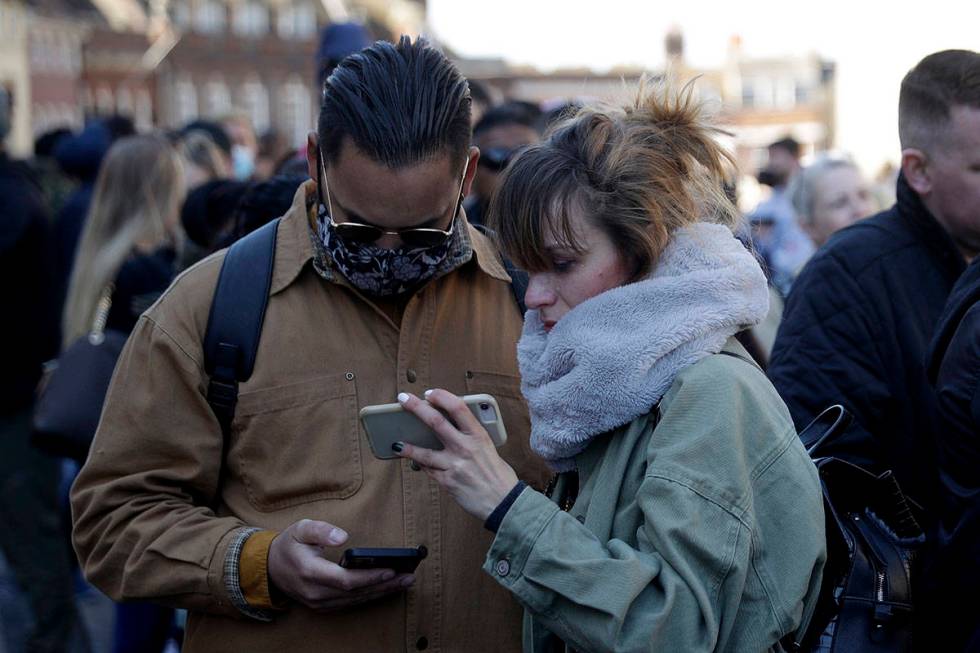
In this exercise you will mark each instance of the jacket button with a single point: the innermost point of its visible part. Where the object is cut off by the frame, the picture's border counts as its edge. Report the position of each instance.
(502, 567)
(349, 376)
(422, 643)
(411, 376)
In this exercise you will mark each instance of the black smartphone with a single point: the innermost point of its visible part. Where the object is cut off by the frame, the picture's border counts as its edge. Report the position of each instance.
(401, 560)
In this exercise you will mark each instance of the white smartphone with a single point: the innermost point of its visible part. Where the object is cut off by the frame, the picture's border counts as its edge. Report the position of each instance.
(386, 424)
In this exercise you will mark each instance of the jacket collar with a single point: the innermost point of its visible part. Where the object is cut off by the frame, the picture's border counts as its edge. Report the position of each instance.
(925, 228)
(294, 247)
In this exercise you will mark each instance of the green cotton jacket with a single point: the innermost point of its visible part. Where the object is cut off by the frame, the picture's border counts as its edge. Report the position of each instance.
(698, 530)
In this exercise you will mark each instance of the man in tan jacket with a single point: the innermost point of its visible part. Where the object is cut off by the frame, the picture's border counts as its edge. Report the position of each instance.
(379, 285)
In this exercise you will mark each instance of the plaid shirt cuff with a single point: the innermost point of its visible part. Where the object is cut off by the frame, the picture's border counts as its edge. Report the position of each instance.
(233, 579)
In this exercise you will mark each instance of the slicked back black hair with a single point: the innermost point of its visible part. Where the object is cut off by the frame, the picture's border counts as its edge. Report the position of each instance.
(400, 104)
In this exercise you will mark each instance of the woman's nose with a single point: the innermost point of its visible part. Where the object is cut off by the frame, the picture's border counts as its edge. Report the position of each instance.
(539, 293)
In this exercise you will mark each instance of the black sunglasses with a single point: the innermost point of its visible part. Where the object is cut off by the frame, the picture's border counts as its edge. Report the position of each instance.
(359, 232)
(497, 158)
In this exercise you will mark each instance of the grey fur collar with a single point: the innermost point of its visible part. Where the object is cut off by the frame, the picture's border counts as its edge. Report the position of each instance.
(611, 358)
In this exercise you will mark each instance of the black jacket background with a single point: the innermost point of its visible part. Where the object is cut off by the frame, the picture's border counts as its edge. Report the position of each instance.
(954, 368)
(29, 326)
(856, 331)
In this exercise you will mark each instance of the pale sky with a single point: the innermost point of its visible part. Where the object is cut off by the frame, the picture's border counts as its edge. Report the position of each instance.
(874, 43)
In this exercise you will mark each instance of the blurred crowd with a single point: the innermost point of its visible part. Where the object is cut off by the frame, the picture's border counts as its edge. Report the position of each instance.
(106, 218)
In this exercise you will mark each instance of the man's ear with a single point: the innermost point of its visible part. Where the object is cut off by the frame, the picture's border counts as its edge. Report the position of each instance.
(472, 159)
(312, 152)
(915, 167)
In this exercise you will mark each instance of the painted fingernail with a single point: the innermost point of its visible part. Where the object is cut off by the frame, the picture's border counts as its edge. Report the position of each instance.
(388, 575)
(427, 393)
(408, 581)
(397, 447)
(402, 397)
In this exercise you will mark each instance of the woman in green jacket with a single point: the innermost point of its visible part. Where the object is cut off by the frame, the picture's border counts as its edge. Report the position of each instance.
(686, 515)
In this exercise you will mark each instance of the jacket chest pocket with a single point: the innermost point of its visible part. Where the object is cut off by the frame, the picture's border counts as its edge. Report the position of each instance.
(506, 389)
(298, 443)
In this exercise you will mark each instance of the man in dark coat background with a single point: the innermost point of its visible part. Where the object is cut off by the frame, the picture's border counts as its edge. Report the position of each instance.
(859, 320)
(954, 369)
(32, 538)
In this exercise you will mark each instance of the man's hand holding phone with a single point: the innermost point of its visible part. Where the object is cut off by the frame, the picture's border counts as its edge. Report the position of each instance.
(298, 569)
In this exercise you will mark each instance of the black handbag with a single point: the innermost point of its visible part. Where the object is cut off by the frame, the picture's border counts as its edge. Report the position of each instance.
(866, 600)
(69, 403)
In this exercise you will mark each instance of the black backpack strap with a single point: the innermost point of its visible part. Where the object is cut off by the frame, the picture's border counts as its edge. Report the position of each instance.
(235, 322)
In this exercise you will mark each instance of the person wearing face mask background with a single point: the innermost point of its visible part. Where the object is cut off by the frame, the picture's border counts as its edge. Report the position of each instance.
(379, 283)
(244, 145)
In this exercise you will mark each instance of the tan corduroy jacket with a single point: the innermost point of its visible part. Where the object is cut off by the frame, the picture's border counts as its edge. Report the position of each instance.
(162, 506)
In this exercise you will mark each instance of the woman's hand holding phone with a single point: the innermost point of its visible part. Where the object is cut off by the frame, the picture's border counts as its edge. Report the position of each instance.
(469, 467)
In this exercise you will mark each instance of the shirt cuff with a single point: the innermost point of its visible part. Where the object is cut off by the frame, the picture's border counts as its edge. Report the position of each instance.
(493, 521)
(254, 571)
(517, 535)
(233, 577)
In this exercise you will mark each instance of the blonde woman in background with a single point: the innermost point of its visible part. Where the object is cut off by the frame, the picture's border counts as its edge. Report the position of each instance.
(129, 237)
(128, 250)
(830, 194)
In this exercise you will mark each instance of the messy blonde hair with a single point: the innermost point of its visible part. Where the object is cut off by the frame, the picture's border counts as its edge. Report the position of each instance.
(136, 200)
(639, 173)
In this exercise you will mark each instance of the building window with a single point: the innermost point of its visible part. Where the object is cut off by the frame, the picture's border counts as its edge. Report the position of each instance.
(297, 21)
(74, 56)
(251, 19)
(255, 102)
(124, 102)
(88, 101)
(181, 14)
(105, 103)
(144, 110)
(217, 99)
(305, 18)
(185, 101)
(68, 116)
(39, 119)
(763, 93)
(37, 53)
(748, 94)
(285, 23)
(785, 93)
(64, 54)
(210, 17)
(297, 117)
(802, 94)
